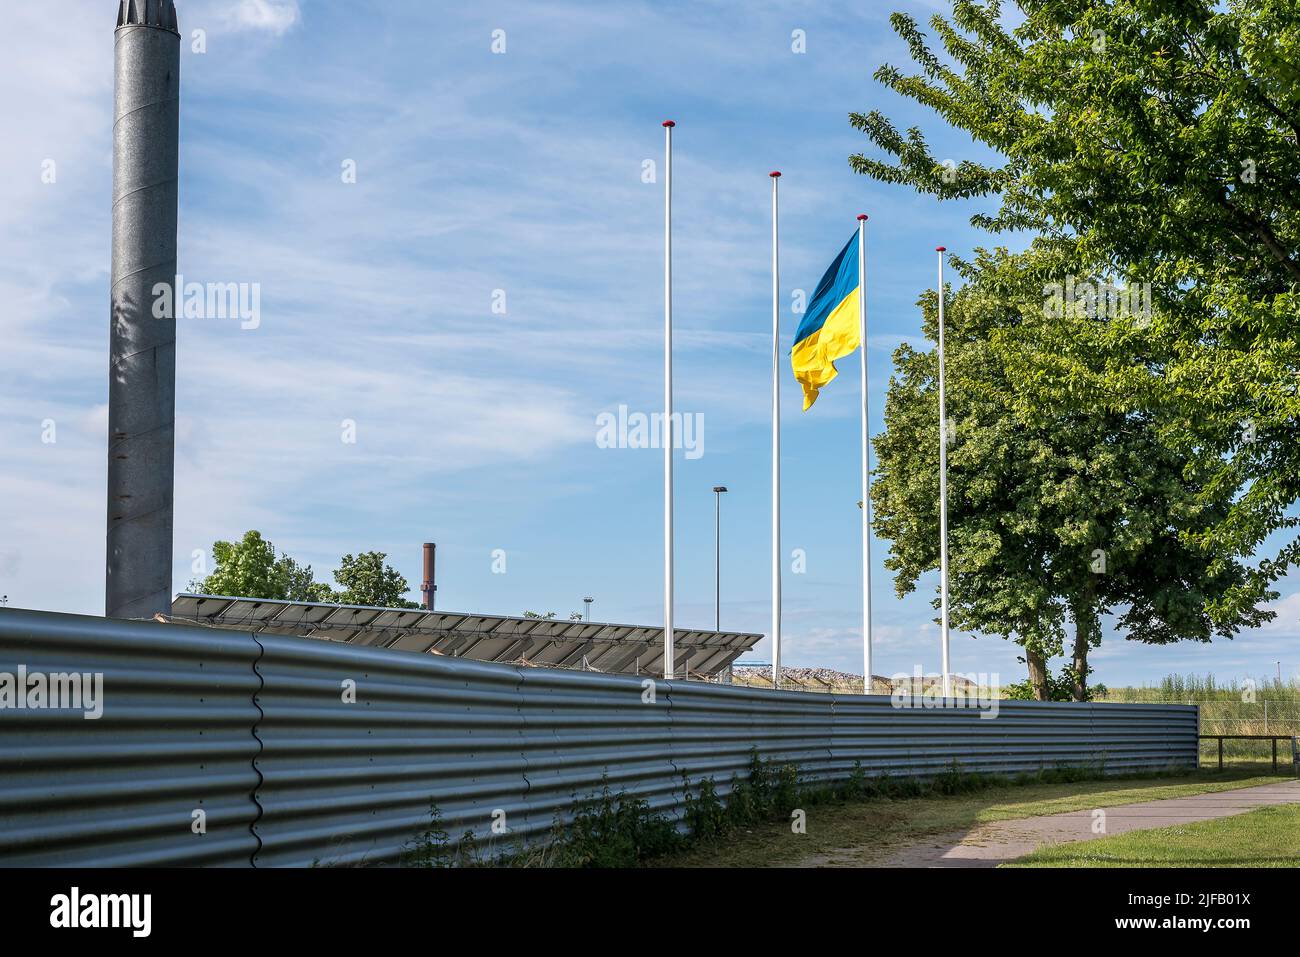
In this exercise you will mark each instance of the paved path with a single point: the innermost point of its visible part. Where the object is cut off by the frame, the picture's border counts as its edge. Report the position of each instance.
(988, 845)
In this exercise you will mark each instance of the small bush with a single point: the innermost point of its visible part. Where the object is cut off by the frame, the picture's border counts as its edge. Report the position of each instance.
(431, 847)
(706, 816)
(742, 805)
(785, 794)
(613, 830)
(856, 786)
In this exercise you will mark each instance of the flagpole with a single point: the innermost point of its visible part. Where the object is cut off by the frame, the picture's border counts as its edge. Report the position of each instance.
(866, 458)
(943, 491)
(667, 431)
(776, 449)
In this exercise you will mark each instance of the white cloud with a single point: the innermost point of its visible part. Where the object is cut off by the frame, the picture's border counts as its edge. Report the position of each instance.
(1287, 621)
(273, 16)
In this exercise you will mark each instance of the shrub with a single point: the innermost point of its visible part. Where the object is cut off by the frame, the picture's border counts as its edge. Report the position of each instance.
(706, 816)
(431, 847)
(613, 830)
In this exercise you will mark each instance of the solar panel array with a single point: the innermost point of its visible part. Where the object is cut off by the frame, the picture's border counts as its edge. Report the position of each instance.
(545, 642)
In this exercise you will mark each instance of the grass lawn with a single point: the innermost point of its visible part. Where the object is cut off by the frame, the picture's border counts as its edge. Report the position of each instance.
(1267, 837)
(858, 832)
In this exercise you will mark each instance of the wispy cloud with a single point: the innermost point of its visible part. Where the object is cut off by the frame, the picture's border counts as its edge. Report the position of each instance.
(270, 16)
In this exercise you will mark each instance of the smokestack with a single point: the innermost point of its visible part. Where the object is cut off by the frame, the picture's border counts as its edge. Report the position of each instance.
(142, 348)
(428, 587)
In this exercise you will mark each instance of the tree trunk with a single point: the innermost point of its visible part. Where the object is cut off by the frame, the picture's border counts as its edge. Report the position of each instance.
(1037, 674)
(1084, 622)
(1081, 658)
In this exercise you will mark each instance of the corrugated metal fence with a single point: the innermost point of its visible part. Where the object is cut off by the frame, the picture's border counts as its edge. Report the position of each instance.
(290, 766)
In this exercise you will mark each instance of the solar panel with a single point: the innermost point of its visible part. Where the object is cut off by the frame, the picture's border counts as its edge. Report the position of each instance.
(543, 642)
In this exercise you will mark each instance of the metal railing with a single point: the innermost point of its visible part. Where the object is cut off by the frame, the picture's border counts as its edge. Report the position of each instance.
(1273, 738)
(229, 748)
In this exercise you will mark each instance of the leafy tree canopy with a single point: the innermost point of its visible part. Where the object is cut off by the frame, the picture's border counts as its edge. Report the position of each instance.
(368, 580)
(1154, 142)
(1054, 515)
(251, 568)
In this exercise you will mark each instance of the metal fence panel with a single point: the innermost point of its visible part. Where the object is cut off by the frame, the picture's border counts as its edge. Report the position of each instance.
(360, 743)
(303, 752)
(583, 732)
(1025, 736)
(1137, 736)
(714, 729)
(175, 738)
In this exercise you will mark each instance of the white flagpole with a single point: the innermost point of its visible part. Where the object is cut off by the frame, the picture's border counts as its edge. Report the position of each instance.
(776, 450)
(866, 459)
(943, 491)
(667, 431)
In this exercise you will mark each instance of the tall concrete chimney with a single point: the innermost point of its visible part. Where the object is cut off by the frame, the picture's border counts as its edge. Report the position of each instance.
(428, 587)
(142, 348)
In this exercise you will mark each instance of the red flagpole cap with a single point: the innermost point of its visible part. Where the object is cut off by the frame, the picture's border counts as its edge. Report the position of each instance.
(941, 249)
(775, 173)
(669, 123)
(862, 216)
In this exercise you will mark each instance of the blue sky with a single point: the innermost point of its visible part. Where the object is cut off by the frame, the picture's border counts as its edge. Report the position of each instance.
(478, 171)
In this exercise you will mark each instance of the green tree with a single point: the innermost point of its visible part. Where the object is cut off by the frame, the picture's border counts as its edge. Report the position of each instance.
(251, 568)
(1053, 516)
(368, 580)
(1155, 142)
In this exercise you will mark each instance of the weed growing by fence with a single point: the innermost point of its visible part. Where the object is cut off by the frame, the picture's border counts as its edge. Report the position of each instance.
(612, 830)
(431, 847)
(616, 829)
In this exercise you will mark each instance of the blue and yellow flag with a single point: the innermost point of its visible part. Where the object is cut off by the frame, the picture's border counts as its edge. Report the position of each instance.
(829, 329)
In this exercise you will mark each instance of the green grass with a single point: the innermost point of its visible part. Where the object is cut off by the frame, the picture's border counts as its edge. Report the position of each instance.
(1266, 706)
(1178, 689)
(859, 832)
(1267, 837)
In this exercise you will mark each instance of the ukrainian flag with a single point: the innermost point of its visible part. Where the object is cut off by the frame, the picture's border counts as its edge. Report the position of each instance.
(829, 329)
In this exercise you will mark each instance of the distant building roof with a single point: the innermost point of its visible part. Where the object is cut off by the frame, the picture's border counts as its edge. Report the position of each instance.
(545, 642)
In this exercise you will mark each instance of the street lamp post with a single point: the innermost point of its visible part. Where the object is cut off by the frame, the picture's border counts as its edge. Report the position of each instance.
(717, 568)
(717, 556)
